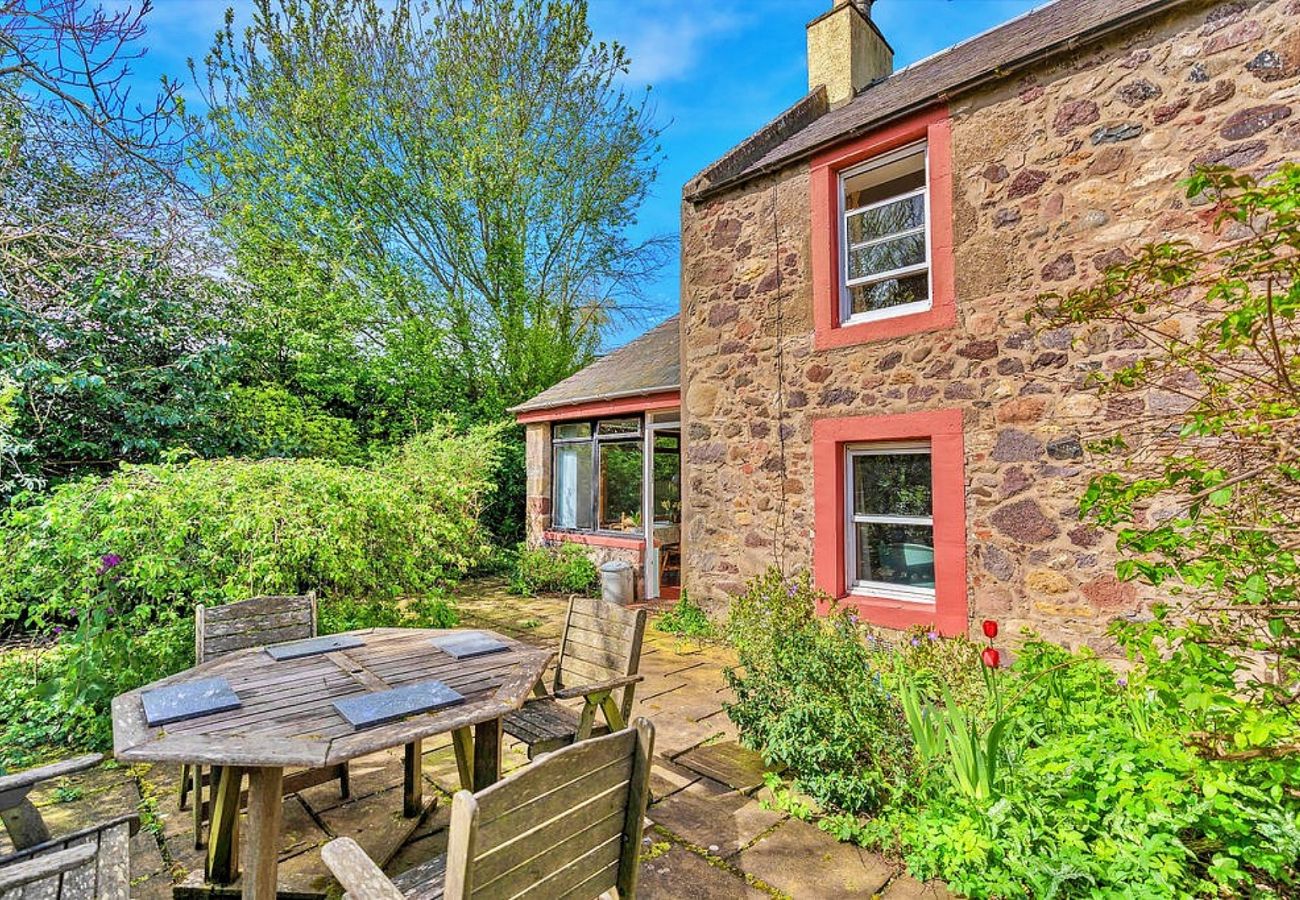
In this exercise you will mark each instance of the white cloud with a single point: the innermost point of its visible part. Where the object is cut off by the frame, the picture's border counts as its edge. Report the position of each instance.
(664, 38)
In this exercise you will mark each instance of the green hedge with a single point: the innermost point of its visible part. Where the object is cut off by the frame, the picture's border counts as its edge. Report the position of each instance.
(213, 531)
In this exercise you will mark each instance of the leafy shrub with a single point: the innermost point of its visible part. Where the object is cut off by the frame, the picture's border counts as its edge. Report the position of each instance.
(221, 530)
(809, 697)
(1100, 787)
(563, 568)
(686, 619)
(269, 421)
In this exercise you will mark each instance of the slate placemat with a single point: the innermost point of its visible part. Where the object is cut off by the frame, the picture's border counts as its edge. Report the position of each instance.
(188, 700)
(467, 644)
(314, 646)
(386, 706)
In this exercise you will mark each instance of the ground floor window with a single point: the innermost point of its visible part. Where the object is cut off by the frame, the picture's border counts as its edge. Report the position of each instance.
(890, 501)
(598, 475)
(890, 524)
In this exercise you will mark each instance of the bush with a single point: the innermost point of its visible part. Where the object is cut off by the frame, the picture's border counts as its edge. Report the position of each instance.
(111, 568)
(1100, 787)
(561, 568)
(221, 530)
(686, 619)
(809, 697)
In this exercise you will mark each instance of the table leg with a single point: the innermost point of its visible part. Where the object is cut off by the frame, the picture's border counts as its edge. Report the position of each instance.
(487, 753)
(262, 850)
(223, 824)
(413, 781)
(463, 741)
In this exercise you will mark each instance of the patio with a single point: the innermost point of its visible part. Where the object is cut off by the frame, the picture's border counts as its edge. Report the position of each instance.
(711, 835)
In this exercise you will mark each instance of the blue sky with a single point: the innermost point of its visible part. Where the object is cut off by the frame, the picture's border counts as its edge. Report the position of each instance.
(719, 69)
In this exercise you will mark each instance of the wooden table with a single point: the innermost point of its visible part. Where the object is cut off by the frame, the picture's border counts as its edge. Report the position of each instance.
(287, 719)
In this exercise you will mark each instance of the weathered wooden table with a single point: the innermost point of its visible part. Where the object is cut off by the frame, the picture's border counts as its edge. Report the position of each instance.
(287, 719)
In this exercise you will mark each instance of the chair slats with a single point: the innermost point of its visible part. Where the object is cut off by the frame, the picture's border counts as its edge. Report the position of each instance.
(559, 840)
(250, 623)
(567, 826)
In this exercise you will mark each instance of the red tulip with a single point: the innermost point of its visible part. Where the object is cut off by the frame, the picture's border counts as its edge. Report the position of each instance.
(991, 657)
(990, 629)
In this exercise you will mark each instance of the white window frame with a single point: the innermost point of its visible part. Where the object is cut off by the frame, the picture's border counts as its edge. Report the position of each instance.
(847, 316)
(863, 587)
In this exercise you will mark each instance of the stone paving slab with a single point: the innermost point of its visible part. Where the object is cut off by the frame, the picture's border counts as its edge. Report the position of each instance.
(680, 874)
(667, 778)
(806, 863)
(727, 762)
(714, 817)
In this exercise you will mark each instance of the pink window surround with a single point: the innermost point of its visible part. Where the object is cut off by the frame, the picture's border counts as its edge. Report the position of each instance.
(932, 125)
(943, 429)
(596, 540)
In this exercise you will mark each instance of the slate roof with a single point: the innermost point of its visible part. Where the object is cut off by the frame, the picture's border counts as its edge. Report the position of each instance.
(1059, 26)
(650, 364)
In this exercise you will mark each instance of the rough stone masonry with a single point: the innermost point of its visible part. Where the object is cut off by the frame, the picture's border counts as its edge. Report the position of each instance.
(1057, 174)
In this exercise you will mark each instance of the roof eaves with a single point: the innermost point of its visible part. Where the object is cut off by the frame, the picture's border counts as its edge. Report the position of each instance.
(593, 398)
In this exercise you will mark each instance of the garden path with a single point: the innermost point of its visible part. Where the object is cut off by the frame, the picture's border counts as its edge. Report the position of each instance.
(712, 836)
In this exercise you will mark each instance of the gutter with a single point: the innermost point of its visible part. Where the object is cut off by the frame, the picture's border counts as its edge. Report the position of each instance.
(945, 95)
(594, 398)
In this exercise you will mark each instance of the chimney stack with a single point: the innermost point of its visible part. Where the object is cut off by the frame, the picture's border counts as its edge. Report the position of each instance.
(846, 51)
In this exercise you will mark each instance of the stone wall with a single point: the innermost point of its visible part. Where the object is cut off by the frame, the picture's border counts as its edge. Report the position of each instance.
(1056, 174)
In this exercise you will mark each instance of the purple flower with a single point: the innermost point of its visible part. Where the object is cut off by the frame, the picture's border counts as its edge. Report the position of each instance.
(916, 642)
(112, 611)
(853, 619)
(109, 561)
(58, 630)
(933, 635)
(1122, 681)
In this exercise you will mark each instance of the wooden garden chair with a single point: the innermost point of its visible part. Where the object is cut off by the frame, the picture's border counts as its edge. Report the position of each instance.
(90, 863)
(600, 651)
(219, 630)
(569, 825)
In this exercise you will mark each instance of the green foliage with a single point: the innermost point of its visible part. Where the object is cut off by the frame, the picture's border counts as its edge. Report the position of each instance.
(121, 365)
(686, 619)
(808, 696)
(269, 421)
(1100, 788)
(1206, 503)
(559, 568)
(213, 531)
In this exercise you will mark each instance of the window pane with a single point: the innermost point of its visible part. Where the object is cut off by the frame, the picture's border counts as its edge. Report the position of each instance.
(571, 501)
(887, 256)
(895, 554)
(620, 486)
(572, 430)
(871, 185)
(891, 484)
(618, 426)
(901, 215)
(864, 298)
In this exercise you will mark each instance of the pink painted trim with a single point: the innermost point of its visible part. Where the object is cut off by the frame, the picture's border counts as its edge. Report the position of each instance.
(596, 540)
(933, 125)
(943, 428)
(598, 408)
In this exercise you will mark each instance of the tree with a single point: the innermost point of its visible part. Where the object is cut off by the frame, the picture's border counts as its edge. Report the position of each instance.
(433, 200)
(109, 316)
(1206, 499)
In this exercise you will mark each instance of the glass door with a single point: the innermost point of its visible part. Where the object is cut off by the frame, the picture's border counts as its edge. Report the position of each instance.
(662, 512)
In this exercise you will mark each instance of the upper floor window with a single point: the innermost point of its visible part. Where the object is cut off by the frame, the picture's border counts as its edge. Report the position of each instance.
(885, 241)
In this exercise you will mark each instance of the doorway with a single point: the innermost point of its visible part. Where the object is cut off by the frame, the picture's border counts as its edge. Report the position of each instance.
(663, 505)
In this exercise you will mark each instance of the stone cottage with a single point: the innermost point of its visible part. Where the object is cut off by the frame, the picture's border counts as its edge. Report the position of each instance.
(856, 391)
